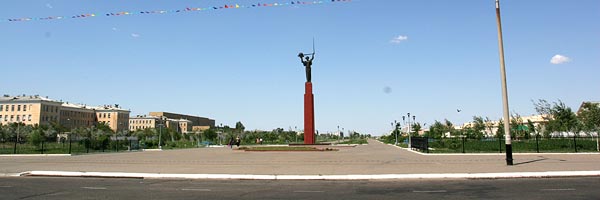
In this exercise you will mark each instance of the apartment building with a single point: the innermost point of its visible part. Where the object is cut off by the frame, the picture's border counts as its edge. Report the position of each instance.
(37, 110)
(113, 116)
(29, 110)
(195, 120)
(141, 122)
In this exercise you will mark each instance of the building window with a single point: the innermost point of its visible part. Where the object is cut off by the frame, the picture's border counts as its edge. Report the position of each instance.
(11, 118)
(1, 107)
(24, 107)
(29, 118)
(12, 107)
(18, 118)
(24, 117)
(108, 115)
(0, 117)
(6, 108)
(18, 107)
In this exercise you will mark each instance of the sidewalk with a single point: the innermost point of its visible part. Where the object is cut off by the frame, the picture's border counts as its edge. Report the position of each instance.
(373, 160)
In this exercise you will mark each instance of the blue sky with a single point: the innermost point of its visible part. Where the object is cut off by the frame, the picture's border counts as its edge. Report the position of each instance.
(232, 65)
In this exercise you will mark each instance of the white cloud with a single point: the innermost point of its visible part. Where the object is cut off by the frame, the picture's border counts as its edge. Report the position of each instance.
(49, 5)
(559, 59)
(398, 39)
(115, 29)
(135, 35)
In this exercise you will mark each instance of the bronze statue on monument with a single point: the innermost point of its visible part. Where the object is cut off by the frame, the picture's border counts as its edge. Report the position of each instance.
(307, 62)
(309, 101)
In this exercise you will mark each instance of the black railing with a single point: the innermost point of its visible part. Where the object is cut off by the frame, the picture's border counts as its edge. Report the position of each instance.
(420, 143)
(66, 146)
(534, 144)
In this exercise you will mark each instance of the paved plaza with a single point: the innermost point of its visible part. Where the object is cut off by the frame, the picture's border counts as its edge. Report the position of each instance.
(373, 159)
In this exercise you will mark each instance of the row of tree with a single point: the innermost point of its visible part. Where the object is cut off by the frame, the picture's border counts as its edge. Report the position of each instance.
(560, 120)
(102, 134)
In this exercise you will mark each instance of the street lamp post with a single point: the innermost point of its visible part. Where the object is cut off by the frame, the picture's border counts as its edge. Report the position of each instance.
(509, 159)
(409, 144)
(221, 135)
(160, 136)
(339, 134)
(415, 122)
(17, 137)
(395, 127)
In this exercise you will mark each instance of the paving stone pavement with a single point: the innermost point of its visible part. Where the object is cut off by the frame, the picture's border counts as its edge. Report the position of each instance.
(374, 158)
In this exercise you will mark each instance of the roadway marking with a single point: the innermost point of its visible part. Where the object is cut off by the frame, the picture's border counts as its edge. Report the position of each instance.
(196, 189)
(559, 189)
(308, 191)
(429, 191)
(94, 188)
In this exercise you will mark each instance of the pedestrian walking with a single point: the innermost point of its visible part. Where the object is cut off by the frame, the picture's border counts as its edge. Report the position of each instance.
(231, 143)
(237, 141)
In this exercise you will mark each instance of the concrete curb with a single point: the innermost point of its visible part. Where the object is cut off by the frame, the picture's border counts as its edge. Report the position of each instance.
(506, 175)
(10, 174)
(487, 154)
(33, 155)
(152, 150)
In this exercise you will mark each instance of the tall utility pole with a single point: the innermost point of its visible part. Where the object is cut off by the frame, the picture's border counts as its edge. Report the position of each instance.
(509, 159)
(409, 145)
(395, 131)
(159, 136)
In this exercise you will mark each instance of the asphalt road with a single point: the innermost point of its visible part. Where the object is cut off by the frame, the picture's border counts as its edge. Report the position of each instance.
(96, 188)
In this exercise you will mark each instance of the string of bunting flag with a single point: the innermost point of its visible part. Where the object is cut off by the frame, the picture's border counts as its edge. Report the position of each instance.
(187, 9)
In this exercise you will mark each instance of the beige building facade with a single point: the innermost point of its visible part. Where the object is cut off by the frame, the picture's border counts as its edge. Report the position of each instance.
(143, 122)
(37, 110)
(75, 116)
(30, 110)
(114, 117)
(195, 120)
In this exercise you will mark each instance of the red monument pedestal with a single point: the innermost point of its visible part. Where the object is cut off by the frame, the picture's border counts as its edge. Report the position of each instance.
(309, 115)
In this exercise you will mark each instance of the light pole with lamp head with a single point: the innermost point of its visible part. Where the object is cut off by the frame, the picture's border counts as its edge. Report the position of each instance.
(409, 145)
(160, 136)
(509, 159)
(221, 134)
(339, 134)
(395, 131)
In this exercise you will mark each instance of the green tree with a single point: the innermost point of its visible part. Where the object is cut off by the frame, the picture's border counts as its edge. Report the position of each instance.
(590, 117)
(489, 125)
(500, 130)
(478, 127)
(436, 130)
(449, 127)
(239, 127)
(416, 127)
(560, 117)
(531, 129)
(104, 128)
(516, 126)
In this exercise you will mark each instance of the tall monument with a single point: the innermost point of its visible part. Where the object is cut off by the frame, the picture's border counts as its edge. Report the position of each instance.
(309, 107)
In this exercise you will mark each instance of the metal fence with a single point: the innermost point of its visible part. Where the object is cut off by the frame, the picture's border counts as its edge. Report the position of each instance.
(488, 145)
(420, 143)
(67, 146)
